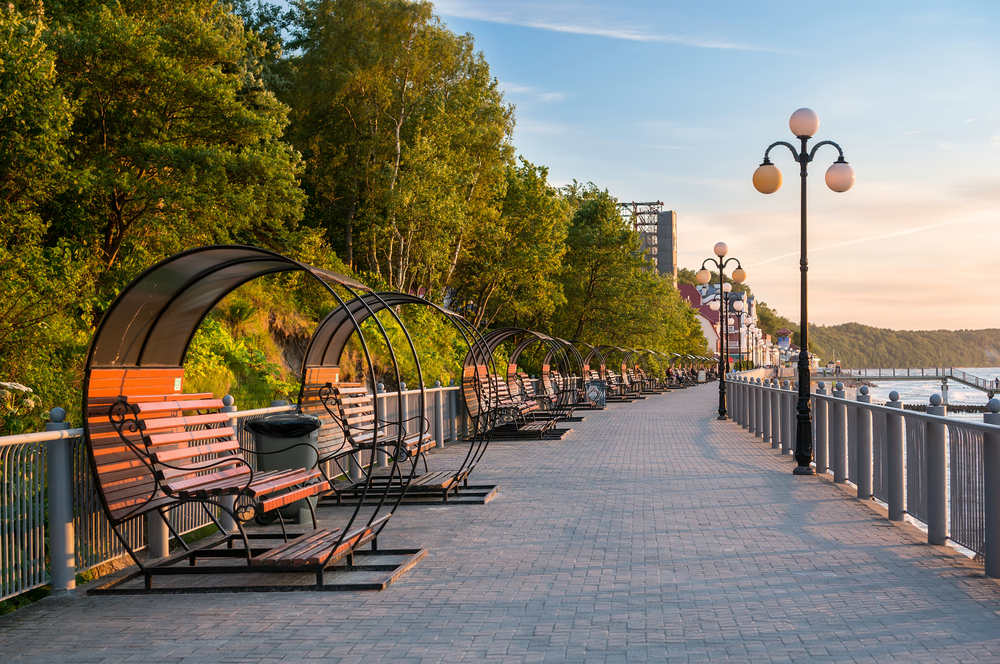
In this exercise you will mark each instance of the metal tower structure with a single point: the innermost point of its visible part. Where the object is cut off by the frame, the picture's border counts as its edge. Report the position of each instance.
(644, 218)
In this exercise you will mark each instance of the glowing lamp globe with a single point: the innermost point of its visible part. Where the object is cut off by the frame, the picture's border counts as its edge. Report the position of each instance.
(804, 122)
(703, 276)
(840, 176)
(739, 275)
(738, 305)
(721, 249)
(714, 305)
(726, 287)
(767, 178)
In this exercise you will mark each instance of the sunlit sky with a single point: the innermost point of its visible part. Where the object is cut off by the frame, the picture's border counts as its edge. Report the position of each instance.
(677, 101)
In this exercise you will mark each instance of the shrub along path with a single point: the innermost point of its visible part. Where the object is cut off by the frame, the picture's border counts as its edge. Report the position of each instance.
(652, 533)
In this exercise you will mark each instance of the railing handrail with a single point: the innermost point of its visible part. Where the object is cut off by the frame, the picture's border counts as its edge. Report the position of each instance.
(914, 414)
(39, 437)
(65, 434)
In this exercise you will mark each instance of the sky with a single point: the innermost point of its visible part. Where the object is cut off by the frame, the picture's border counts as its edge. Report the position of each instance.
(677, 101)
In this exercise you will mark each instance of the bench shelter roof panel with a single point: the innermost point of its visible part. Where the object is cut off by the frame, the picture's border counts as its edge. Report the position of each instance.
(153, 320)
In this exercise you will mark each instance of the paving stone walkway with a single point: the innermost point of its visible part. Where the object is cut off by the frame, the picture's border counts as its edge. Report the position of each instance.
(654, 533)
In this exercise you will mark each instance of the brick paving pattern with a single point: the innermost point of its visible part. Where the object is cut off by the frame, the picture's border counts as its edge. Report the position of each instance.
(653, 533)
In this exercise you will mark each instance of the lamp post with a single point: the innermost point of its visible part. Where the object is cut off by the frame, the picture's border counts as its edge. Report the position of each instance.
(767, 179)
(739, 276)
(740, 314)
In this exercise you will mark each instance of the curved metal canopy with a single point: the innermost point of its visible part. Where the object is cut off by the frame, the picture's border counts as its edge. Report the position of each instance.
(151, 323)
(331, 336)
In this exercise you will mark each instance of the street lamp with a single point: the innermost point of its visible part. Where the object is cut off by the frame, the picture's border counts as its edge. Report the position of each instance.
(739, 276)
(767, 179)
(740, 315)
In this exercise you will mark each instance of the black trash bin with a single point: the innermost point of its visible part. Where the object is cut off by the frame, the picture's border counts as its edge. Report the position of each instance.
(286, 441)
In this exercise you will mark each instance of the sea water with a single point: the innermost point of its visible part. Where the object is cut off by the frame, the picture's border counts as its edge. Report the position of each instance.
(920, 391)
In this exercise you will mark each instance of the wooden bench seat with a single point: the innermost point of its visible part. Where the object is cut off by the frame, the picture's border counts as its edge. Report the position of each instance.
(322, 546)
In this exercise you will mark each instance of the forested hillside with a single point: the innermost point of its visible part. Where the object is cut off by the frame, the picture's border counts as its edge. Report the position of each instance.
(357, 135)
(856, 345)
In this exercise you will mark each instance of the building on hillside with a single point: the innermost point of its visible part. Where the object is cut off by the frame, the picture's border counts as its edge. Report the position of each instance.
(784, 338)
(708, 319)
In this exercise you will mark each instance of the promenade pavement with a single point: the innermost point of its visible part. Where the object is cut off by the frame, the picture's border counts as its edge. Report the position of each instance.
(653, 533)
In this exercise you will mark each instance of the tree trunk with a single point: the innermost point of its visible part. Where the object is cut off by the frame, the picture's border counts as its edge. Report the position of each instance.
(349, 234)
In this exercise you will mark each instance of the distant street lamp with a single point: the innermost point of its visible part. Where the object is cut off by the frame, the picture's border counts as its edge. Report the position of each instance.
(767, 179)
(740, 315)
(739, 276)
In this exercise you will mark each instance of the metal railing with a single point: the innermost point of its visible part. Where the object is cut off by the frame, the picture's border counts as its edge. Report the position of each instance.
(929, 373)
(942, 472)
(52, 526)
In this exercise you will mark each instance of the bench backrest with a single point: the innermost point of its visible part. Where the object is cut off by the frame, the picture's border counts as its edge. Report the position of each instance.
(122, 473)
(357, 410)
(526, 386)
(189, 442)
(330, 435)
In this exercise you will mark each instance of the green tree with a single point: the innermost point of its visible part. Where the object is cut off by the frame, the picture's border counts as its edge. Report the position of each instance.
(406, 136)
(176, 140)
(512, 265)
(40, 283)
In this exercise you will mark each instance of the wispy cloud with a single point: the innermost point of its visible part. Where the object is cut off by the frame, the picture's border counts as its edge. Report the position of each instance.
(460, 9)
(870, 238)
(533, 93)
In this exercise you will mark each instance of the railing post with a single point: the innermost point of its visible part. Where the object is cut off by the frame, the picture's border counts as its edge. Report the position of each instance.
(839, 429)
(765, 410)
(775, 415)
(452, 415)
(59, 476)
(738, 400)
(863, 422)
(733, 398)
(786, 429)
(752, 402)
(937, 475)
(991, 489)
(896, 497)
(759, 401)
(228, 522)
(381, 455)
(820, 431)
(438, 415)
(747, 404)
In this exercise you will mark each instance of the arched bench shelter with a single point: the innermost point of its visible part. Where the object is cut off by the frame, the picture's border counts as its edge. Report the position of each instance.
(155, 451)
(567, 392)
(322, 363)
(506, 412)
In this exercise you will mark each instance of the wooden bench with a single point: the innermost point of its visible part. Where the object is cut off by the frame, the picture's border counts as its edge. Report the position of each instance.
(357, 417)
(617, 390)
(552, 403)
(496, 396)
(356, 414)
(188, 450)
(156, 449)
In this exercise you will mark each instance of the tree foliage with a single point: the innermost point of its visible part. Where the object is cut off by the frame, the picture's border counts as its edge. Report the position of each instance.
(373, 142)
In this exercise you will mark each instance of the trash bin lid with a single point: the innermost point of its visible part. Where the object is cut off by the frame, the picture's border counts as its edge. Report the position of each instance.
(285, 425)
